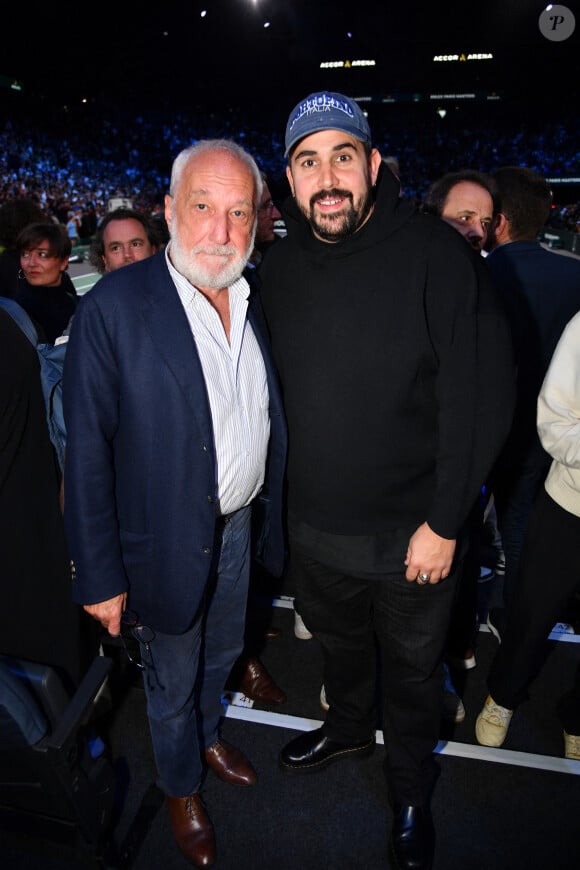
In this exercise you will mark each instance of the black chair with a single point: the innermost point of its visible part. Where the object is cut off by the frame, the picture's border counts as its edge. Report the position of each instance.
(54, 782)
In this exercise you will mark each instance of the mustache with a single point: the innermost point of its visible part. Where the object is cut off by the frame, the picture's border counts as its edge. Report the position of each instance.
(215, 250)
(329, 194)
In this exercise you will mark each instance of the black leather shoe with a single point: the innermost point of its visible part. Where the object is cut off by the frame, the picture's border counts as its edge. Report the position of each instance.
(412, 839)
(313, 750)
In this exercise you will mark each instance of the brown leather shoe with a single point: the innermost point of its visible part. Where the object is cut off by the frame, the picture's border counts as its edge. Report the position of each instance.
(256, 683)
(230, 764)
(192, 829)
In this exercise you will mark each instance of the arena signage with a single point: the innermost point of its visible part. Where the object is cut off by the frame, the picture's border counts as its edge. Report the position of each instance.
(346, 64)
(452, 58)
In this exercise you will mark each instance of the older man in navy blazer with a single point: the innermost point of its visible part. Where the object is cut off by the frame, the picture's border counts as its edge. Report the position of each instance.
(175, 433)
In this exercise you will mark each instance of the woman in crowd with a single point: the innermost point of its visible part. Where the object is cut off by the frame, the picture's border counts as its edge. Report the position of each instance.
(45, 289)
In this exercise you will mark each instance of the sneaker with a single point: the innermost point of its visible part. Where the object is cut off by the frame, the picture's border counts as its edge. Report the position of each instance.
(496, 622)
(492, 724)
(300, 629)
(572, 746)
(323, 702)
(453, 708)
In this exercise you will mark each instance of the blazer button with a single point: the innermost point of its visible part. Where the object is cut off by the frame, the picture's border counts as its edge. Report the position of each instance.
(206, 550)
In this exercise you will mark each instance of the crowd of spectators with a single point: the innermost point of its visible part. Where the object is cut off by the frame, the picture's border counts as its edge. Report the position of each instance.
(76, 161)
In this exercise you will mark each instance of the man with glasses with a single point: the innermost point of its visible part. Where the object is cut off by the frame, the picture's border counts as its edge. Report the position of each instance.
(268, 214)
(175, 429)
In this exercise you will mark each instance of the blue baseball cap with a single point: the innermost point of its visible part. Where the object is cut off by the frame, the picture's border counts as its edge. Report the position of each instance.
(326, 110)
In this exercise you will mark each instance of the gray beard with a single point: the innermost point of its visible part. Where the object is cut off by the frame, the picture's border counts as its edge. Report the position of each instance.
(185, 261)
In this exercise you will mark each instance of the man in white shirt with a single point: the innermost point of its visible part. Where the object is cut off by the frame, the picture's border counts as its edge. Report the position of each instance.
(174, 429)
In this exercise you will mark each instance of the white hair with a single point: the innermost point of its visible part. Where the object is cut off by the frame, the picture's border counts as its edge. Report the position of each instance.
(236, 150)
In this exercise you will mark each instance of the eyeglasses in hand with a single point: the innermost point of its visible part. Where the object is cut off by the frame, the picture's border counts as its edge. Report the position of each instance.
(141, 633)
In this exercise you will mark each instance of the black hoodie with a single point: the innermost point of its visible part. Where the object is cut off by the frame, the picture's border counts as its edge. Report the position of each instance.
(393, 352)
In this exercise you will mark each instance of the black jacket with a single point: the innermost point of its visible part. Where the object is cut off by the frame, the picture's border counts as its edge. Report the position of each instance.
(51, 308)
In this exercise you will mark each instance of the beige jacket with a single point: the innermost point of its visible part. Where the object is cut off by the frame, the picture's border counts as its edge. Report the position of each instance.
(559, 419)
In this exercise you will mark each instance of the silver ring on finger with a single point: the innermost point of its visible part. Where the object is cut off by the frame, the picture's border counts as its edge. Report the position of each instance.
(422, 579)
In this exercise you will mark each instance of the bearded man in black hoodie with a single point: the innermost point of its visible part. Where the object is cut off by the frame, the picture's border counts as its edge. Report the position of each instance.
(392, 350)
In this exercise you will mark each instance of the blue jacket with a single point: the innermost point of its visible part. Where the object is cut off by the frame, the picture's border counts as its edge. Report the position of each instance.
(540, 290)
(140, 465)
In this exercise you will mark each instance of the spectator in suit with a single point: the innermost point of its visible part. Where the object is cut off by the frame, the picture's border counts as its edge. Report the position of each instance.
(124, 236)
(466, 200)
(541, 293)
(175, 432)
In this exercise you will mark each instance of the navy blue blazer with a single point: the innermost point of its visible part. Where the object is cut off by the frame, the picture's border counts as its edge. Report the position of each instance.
(540, 290)
(140, 463)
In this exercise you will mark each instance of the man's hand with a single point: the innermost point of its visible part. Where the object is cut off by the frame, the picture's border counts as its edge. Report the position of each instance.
(429, 556)
(109, 613)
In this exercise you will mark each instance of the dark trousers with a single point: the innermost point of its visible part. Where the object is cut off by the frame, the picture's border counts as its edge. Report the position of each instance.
(549, 576)
(403, 626)
(463, 624)
(515, 490)
(186, 674)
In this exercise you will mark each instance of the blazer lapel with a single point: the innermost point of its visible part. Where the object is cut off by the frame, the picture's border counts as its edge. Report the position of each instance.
(171, 333)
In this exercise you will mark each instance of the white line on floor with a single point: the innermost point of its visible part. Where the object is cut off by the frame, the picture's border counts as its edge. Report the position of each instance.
(444, 747)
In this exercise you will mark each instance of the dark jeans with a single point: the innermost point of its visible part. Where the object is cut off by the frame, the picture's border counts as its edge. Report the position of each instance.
(549, 577)
(515, 490)
(402, 625)
(186, 673)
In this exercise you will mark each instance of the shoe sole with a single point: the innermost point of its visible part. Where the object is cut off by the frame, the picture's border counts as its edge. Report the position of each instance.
(359, 752)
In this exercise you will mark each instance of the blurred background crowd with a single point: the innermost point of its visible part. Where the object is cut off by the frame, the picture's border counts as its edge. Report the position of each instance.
(74, 161)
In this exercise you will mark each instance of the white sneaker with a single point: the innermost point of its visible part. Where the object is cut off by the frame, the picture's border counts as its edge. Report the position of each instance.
(453, 708)
(492, 724)
(300, 629)
(571, 745)
(323, 702)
